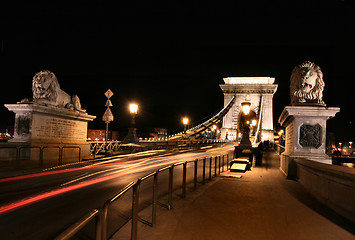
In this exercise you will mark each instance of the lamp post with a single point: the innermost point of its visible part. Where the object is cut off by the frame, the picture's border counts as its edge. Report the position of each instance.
(341, 150)
(185, 121)
(133, 108)
(132, 131)
(245, 125)
(246, 107)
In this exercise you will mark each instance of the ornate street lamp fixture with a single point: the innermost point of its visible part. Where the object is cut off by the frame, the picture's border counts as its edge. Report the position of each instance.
(185, 121)
(246, 107)
(133, 109)
(245, 126)
(132, 131)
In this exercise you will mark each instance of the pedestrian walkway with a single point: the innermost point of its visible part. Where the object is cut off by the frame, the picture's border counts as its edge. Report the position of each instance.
(262, 204)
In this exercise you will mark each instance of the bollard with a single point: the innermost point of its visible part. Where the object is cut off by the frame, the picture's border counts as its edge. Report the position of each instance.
(215, 166)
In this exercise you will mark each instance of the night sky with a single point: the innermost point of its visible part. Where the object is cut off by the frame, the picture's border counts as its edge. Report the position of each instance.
(170, 57)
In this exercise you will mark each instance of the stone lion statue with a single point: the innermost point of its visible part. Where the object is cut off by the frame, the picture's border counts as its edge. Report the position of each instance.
(46, 89)
(306, 85)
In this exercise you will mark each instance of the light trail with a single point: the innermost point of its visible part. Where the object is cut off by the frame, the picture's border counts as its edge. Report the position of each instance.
(106, 163)
(33, 175)
(123, 172)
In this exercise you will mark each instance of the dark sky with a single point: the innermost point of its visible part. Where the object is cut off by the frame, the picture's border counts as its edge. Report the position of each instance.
(170, 57)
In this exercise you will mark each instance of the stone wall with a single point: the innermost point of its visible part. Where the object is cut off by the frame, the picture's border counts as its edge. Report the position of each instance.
(333, 185)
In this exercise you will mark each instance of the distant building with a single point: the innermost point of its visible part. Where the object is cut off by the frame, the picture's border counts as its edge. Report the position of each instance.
(156, 134)
(330, 143)
(99, 135)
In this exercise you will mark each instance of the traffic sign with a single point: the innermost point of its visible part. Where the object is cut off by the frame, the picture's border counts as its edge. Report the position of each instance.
(108, 93)
(108, 116)
(108, 103)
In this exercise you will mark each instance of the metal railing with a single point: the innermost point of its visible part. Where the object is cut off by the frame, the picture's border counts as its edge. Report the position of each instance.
(279, 148)
(102, 217)
(101, 146)
(17, 159)
(77, 226)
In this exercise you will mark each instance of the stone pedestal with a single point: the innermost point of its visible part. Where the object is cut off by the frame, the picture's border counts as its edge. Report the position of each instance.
(48, 128)
(305, 133)
(131, 136)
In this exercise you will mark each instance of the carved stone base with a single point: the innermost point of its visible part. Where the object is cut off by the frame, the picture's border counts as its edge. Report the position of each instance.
(306, 131)
(49, 128)
(131, 136)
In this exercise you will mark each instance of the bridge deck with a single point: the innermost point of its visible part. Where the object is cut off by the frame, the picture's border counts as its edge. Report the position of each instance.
(262, 204)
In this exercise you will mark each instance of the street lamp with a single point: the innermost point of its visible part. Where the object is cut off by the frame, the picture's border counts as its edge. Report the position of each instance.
(185, 121)
(245, 124)
(132, 131)
(246, 107)
(253, 122)
(133, 108)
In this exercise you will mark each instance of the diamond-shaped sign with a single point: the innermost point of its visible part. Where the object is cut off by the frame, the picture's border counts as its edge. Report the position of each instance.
(108, 116)
(108, 93)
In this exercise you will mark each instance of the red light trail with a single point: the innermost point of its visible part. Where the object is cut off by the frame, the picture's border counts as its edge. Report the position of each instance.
(62, 190)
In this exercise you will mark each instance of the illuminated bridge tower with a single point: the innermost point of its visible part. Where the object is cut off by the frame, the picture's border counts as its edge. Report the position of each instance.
(259, 91)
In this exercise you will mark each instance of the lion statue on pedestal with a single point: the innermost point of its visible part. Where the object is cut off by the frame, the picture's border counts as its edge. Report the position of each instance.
(46, 90)
(306, 85)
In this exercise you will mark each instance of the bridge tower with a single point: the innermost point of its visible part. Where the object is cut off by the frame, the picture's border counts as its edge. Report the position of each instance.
(259, 91)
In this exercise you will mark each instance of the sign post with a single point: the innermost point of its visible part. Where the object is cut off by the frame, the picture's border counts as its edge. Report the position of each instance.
(108, 116)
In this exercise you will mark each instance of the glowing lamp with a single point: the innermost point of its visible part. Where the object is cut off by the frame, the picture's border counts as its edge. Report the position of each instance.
(133, 108)
(246, 107)
(185, 121)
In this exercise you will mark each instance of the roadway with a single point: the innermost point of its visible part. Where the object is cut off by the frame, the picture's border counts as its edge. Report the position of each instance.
(43, 204)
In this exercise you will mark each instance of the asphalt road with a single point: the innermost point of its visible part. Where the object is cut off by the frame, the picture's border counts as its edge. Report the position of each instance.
(42, 205)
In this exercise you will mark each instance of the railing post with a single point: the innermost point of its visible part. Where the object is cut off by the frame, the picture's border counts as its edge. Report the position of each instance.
(104, 220)
(195, 174)
(219, 165)
(135, 209)
(98, 226)
(79, 153)
(227, 162)
(210, 177)
(17, 160)
(171, 177)
(155, 191)
(222, 163)
(60, 156)
(215, 166)
(204, 171)
(184, 180)
(41, 156)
